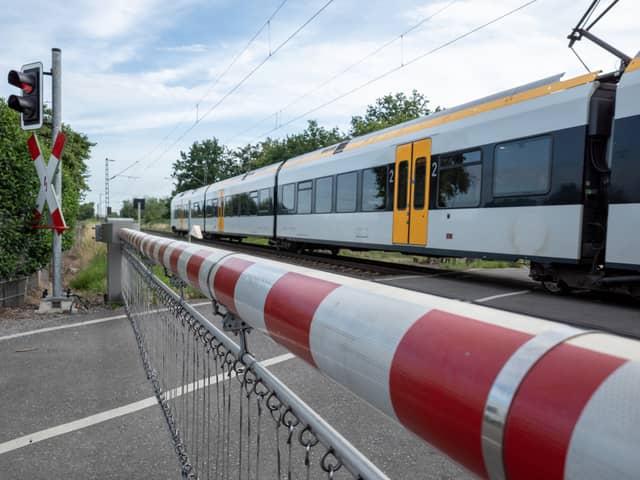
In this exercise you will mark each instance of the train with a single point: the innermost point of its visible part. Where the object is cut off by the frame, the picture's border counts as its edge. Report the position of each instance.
(548, 172)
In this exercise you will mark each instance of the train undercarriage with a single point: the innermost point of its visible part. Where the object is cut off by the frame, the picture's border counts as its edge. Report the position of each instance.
(562, 279)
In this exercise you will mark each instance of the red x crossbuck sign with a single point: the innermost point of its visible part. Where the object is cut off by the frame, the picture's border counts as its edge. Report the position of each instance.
(46, 173)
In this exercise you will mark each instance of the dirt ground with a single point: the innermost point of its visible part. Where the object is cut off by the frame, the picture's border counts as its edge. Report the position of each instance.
(73, 261)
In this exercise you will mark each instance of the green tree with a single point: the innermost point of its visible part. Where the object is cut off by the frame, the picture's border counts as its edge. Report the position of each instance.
(245, 157)
(390, 110)
(86, 211)
(156, 210)
(127, 210)
(206, 162)
(23, 249)
(311, 138)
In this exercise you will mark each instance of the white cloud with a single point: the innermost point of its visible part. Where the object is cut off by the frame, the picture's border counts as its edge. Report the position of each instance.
(193, 48)
(128, 89)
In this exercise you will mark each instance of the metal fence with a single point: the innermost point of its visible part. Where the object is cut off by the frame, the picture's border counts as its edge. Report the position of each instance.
(227, 415)
(12, 292)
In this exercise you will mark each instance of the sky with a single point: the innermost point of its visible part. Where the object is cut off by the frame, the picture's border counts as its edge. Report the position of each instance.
(144, 79)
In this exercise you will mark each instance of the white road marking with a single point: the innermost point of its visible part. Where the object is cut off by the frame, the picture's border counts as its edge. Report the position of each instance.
(120, 411)
(82, 324)
(408, 277)
(402, 277)
(502, 295)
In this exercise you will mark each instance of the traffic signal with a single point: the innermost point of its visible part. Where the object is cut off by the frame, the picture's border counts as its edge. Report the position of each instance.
(29, 104)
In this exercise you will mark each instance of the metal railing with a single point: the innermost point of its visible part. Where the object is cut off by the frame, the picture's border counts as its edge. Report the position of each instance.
(227, 415)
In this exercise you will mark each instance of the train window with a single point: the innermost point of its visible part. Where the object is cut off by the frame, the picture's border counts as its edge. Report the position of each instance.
(209, 210)
(265, 202)
(324, 195)
(234, 205)
(195, 209)
(420, 182)
(244, 204)
(252, 203)
(522, 167)
(463, 158)
(228, 206)
(460, 179)
(305, 190)
(374, 188)
(391, 172)
(287, 198)
(346, 192)
(403, 185)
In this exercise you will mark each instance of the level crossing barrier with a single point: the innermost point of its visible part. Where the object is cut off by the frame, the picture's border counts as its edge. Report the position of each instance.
(228, 416)
(505, 395)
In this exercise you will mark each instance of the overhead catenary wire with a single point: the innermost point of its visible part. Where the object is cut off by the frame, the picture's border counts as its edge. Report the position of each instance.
(581, 28)
(180, 122)
(246, 77)
(397, 68)
(266, 24)
(344, 71)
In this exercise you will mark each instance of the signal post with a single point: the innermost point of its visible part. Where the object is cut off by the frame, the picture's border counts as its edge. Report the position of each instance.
(30, 106)
(56, 118)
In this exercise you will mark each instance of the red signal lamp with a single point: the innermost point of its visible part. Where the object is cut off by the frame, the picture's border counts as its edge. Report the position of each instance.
(30, 103)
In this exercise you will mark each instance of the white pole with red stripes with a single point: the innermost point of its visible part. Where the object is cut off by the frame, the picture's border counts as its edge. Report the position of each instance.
(505, 395)
(46, 172)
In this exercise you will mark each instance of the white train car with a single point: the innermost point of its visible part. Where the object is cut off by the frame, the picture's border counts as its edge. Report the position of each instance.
(523, 174)
(245, 205)
(187, 210)
(623, 232)
(491, 179)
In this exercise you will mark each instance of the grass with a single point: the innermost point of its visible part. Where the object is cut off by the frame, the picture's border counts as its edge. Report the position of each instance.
(256, 241)
(90, 258)
(159, 227)
(444, 263)
(93, 278)
(189, 292)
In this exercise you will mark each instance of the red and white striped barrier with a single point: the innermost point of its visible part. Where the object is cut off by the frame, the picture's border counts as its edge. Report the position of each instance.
(505, 395)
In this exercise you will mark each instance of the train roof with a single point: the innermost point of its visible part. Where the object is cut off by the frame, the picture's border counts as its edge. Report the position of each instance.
(523, 93)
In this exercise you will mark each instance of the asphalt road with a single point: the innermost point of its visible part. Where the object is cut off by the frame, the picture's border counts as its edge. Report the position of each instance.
(59, 389)
(56, 384)
(511, 289)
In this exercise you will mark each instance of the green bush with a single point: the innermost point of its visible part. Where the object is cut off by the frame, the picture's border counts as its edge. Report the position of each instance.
(93, 278)
(24, 250)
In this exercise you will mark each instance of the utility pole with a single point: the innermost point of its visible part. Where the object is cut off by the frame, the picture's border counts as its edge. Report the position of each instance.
(56, 117)
(206, 171)
(106, 186)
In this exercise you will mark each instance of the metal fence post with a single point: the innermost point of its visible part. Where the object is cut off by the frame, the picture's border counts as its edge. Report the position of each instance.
(109, 234)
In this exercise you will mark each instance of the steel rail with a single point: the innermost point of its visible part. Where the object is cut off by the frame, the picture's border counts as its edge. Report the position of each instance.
(365, 265)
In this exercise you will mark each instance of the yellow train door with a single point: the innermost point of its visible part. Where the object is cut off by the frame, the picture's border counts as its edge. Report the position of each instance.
(221, 211)
(402, 187)
(411, 193)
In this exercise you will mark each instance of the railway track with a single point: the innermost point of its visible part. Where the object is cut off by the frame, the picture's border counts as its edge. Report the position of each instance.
(355, 267)
(609, 312)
